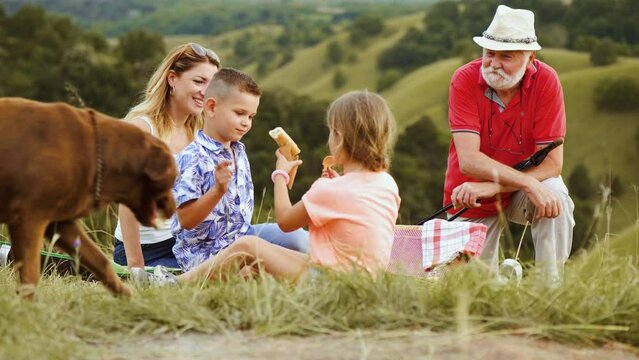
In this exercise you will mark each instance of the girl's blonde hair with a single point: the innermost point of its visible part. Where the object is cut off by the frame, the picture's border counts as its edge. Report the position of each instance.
(366, 126)
(157, 93)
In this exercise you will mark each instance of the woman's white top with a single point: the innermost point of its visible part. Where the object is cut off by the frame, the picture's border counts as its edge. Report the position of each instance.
(149, 235)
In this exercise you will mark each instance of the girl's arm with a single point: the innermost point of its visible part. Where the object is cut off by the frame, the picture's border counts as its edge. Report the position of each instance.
(288, 217)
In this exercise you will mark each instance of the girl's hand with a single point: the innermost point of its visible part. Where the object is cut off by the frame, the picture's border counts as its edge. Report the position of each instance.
(329, 173)
(223, 176)
(285, 165)
(327, 167)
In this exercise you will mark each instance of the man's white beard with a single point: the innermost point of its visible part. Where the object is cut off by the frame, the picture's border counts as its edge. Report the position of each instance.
(498, 80)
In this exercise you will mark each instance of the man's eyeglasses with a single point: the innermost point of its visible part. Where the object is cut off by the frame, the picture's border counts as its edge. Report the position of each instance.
(518, 138)
(202, 51)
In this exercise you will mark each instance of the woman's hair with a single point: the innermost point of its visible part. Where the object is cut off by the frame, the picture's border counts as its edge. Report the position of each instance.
(366, 126)
(157, 93)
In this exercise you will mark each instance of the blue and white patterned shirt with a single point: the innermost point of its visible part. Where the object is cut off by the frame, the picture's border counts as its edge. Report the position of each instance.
(231, 217)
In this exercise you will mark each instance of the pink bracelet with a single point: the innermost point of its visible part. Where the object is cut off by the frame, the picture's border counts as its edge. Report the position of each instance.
(280, 172)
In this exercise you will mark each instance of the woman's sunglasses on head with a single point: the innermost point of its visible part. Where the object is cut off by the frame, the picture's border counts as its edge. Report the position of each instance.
(202, 51)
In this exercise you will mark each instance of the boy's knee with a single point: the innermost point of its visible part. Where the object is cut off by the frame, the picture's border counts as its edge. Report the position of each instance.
(246, 244)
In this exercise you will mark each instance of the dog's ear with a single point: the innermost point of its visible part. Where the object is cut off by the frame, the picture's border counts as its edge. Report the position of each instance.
(159, 162)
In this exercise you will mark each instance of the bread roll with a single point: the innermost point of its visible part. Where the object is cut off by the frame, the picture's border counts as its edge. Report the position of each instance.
(288, 148)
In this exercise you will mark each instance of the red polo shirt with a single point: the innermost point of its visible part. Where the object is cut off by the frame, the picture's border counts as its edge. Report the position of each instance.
(534, 116)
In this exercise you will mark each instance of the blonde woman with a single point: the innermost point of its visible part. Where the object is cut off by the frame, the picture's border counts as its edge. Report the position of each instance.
(172, 111)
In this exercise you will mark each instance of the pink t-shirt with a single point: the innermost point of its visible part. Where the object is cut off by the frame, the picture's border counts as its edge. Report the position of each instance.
(352, 219)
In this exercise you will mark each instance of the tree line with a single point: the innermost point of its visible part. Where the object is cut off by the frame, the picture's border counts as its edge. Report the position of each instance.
(604, 28)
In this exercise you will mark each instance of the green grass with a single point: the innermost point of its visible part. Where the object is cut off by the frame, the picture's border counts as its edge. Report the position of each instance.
(72, 317)
(597, 303)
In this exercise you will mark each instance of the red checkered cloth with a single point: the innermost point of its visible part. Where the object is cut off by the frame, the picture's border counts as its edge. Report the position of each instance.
(418, 249)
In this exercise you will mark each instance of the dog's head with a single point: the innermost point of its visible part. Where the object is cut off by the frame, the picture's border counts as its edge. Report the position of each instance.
(153, 196)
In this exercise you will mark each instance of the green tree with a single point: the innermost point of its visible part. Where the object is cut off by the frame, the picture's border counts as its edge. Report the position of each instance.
(334, 53)
(339, 78)
(617, 94)
(603, 53)
(418, 166)
(367, 25)
(388, 79)
(580, 183)
(141, 47)
(49, 52)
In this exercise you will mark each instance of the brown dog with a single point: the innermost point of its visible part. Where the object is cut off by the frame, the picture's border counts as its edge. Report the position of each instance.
(57, 163)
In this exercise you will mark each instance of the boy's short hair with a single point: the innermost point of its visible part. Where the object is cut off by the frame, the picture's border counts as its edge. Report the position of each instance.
(228, 78)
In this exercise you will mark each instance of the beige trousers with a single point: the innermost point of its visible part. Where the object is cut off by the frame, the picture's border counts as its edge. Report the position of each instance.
(552, 238)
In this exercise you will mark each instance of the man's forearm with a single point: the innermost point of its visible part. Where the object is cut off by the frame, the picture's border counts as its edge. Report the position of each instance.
(549, 168)
(483, 168)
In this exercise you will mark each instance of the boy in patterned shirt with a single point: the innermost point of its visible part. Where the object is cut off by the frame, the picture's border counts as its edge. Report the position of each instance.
(214, 190)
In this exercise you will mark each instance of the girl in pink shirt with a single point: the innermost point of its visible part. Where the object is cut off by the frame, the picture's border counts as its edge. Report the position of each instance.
(351, 217)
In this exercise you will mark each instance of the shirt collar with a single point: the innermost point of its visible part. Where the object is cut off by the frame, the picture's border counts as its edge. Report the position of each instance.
(215, 146)
(529, 76)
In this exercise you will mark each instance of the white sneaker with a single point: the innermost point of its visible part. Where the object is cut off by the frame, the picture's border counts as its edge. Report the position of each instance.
(159, 278)
(162, 277)
(139, 277)
(4, 254)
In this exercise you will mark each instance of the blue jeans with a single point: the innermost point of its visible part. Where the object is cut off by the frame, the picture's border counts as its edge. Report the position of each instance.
(295, 240)
(160, 253)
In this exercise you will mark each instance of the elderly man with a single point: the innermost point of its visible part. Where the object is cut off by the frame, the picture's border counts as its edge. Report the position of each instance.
(502, 108)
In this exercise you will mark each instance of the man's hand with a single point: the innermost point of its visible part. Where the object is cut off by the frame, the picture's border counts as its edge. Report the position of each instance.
(223, 176)
(283, 164)
(546, 202)
(468, 194)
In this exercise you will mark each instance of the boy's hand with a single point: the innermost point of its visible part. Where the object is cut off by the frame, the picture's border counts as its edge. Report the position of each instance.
(283, 164)
(223, 176)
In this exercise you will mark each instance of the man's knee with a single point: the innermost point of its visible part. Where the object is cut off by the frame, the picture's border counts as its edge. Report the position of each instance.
(557, 186)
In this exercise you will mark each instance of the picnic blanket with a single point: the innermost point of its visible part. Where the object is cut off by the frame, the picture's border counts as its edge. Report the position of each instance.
(64, 264)
(420, 249)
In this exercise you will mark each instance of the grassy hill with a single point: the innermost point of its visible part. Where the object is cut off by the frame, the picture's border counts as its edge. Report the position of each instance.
(221, 44)
(308, 74)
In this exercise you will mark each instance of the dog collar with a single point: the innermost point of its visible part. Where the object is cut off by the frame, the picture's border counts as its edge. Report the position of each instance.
(98, 161)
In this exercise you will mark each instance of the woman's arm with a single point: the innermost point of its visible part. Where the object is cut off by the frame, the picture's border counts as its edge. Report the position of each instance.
(130, 237)
(129, 224)
(288, 217)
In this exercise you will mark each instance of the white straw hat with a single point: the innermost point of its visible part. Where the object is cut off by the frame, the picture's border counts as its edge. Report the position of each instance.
(511, 29)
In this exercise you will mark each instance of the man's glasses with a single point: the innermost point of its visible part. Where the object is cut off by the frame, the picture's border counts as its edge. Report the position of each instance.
(518, 138)
(202, 51)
